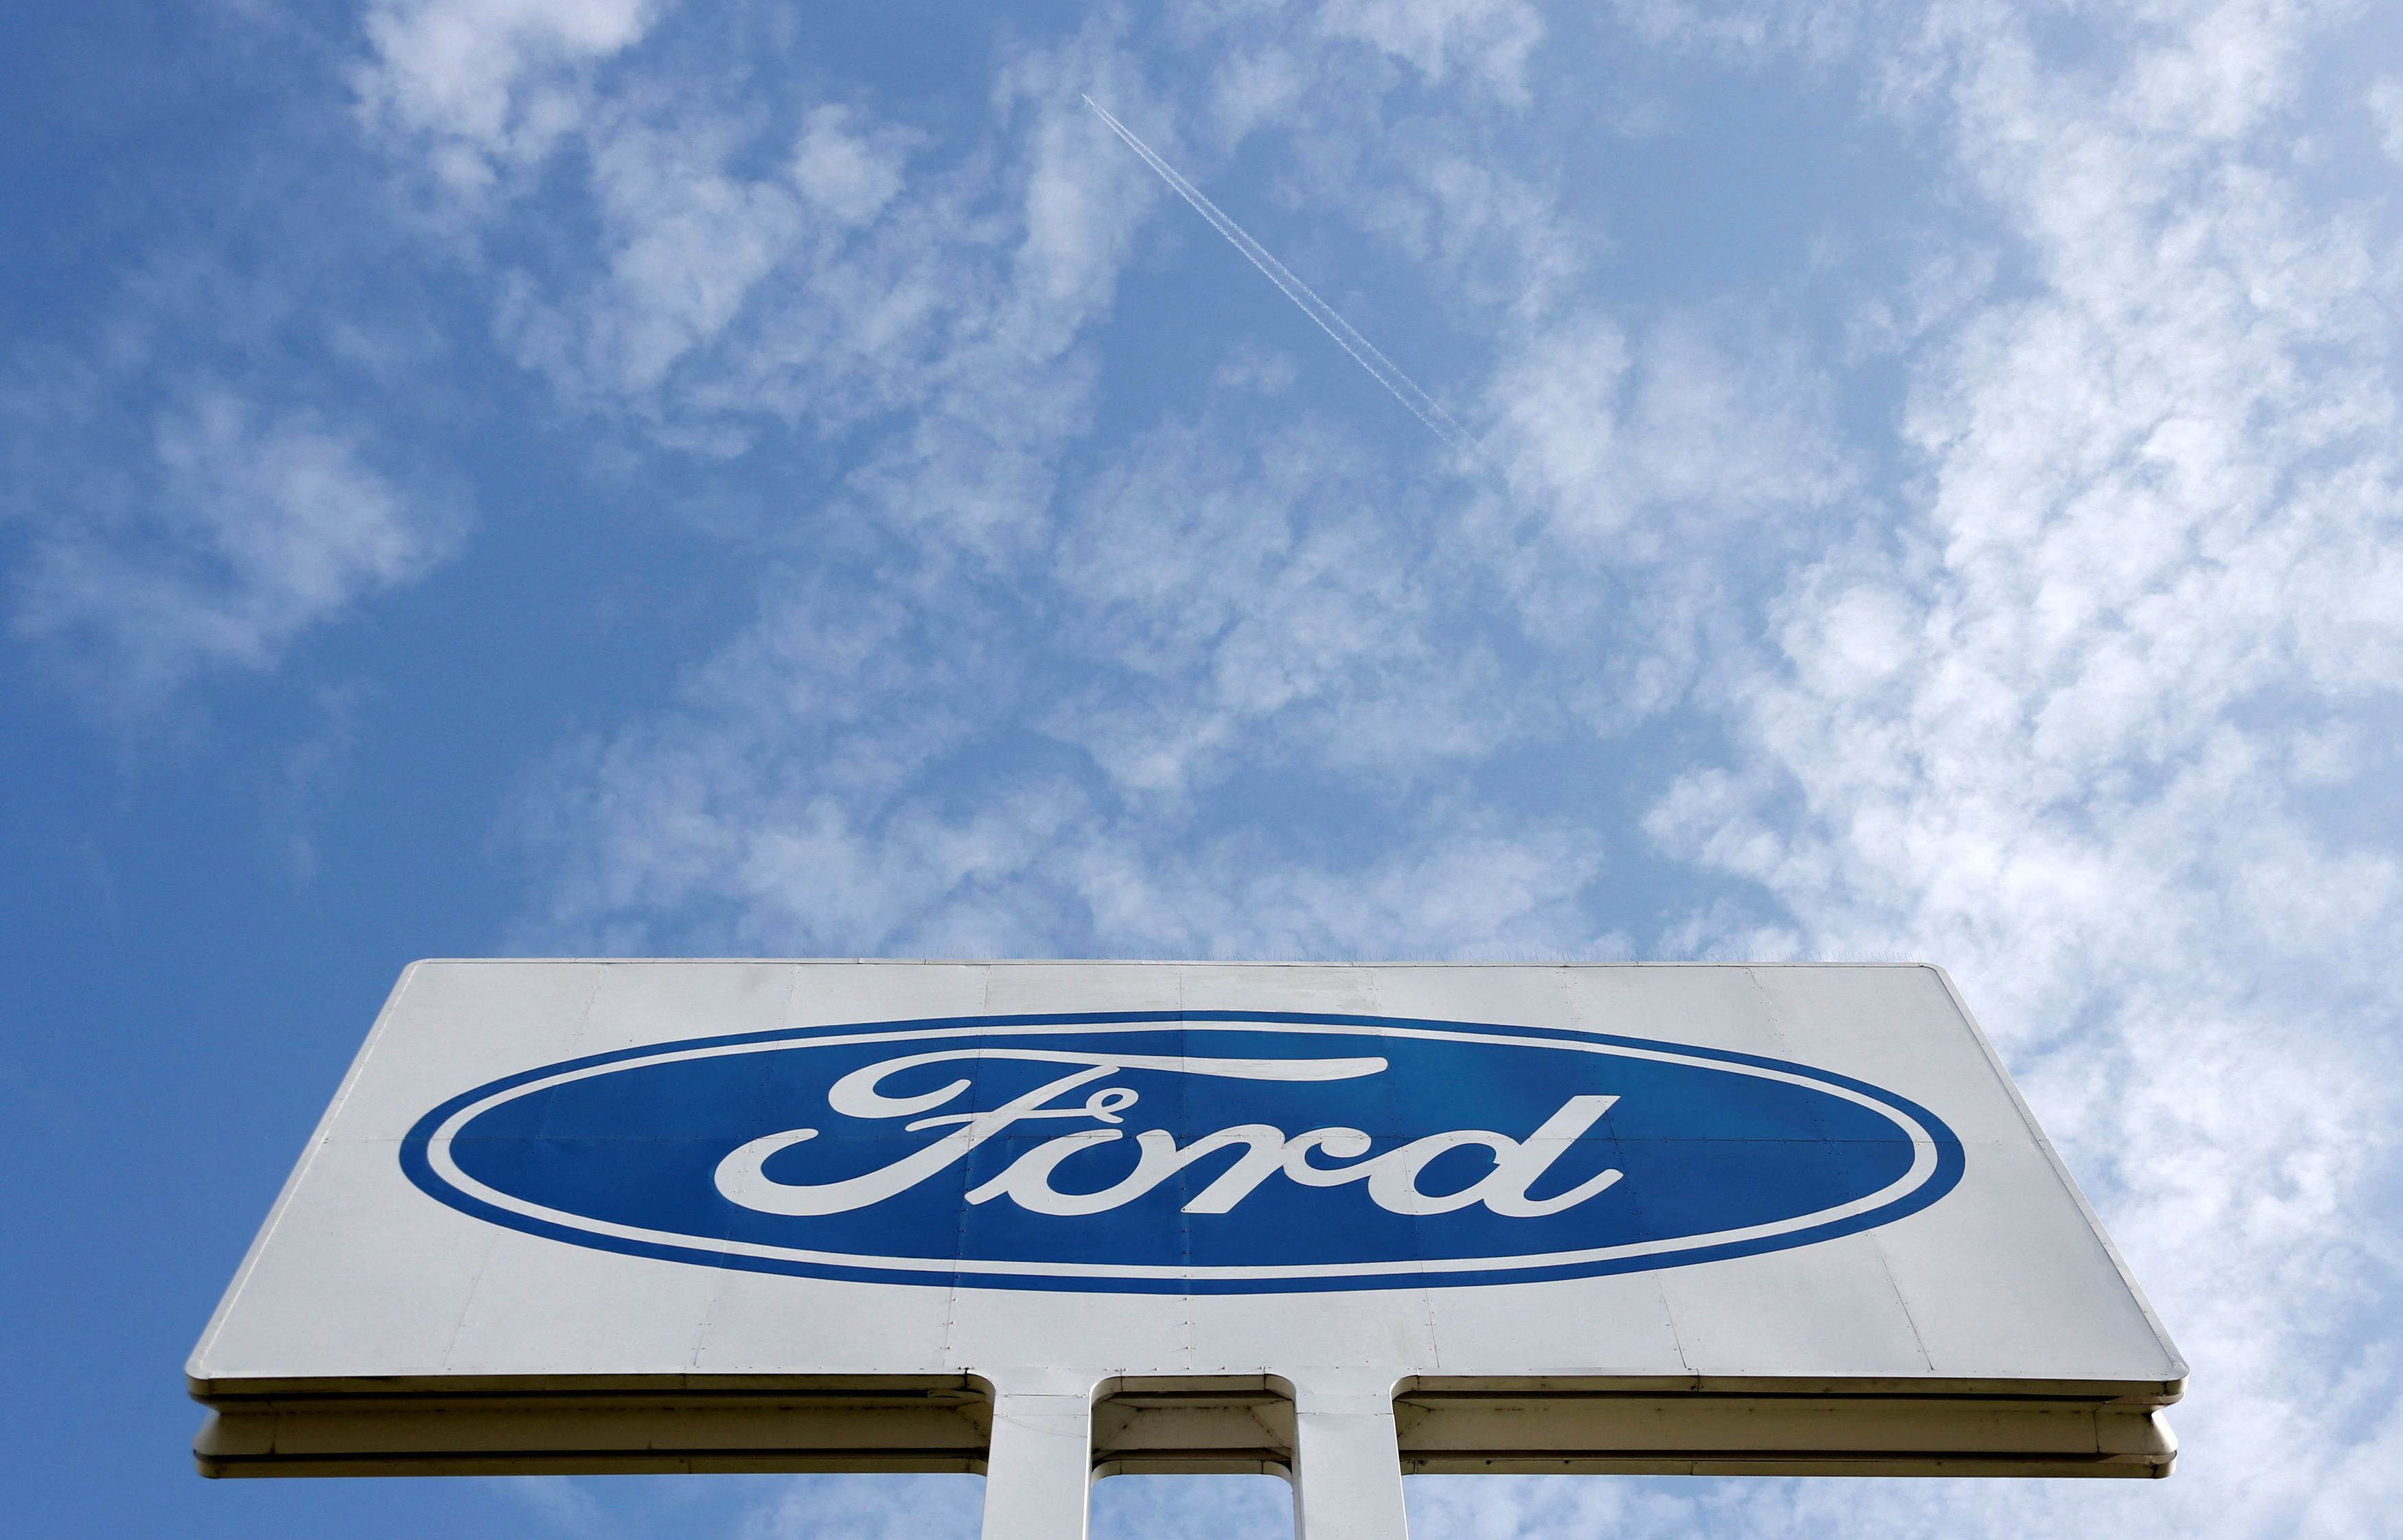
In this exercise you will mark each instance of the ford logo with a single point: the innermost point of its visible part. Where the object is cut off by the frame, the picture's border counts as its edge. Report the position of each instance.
(1221, 1151)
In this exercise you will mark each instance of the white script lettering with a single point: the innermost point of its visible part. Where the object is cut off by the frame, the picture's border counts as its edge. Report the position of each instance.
(1392, 1178)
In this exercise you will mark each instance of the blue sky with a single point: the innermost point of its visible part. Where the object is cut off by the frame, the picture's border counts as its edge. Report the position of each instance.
(607, 477)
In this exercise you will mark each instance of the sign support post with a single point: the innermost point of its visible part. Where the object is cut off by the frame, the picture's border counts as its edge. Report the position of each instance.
(1347, 1470)
(1039, 1473)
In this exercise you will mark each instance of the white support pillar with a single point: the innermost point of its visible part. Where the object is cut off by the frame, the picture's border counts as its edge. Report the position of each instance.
(1039, 1470)
(1347, 1464)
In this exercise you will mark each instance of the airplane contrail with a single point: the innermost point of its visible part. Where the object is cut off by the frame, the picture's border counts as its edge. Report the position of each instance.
(1362, 352)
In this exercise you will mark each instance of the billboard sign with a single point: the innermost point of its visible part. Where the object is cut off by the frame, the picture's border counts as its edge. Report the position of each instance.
(1339, 1222)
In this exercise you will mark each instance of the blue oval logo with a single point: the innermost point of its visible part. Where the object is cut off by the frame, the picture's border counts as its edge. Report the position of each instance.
(1211, 1151)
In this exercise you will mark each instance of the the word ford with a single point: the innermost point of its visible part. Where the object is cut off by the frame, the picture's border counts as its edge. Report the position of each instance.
(1392, 1179)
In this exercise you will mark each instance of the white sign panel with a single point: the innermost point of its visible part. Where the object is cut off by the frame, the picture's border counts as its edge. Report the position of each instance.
(1049, 1220)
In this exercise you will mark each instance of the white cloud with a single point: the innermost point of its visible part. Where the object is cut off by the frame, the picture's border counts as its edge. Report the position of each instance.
(2386, 103)
(1226, 604)
(559, 1501)
(682, 839)
(1254, 83)
(233, 531)
(2045, 736)
(850, 176)
(1653, 481)
(492, 84)
(1490, 39)
(1218, 607)
(854, 775)
(839, 284)
(1818, 32)
(853, 1507)
(1559, 400)
(687, 246)
(1193, 1508)
(1251, 367)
